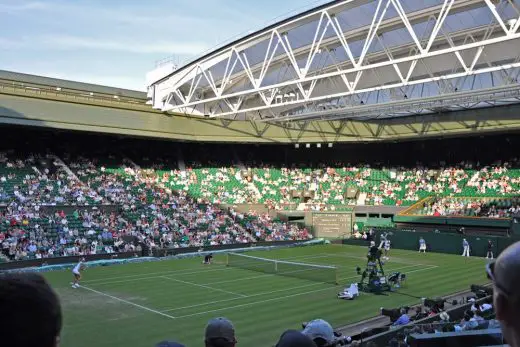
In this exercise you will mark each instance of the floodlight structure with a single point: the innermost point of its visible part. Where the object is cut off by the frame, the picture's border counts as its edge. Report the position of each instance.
(356, 59)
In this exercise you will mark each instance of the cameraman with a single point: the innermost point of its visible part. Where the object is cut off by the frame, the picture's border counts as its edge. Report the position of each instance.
(373, 252)
(321, 333)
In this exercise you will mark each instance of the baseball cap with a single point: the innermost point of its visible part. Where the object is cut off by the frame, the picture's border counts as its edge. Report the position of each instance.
(294, 338)
(168, 344)
(220, 328)
(319, 328)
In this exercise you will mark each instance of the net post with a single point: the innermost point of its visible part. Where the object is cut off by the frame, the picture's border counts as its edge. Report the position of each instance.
(336, 277)
(275, 266)
(227, 259)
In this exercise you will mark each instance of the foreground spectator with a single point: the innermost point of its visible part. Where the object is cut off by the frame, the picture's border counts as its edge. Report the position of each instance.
(321, 332)
(505, 275)
(168, 344)
(293, 338)
(30, 311)
(220, 332)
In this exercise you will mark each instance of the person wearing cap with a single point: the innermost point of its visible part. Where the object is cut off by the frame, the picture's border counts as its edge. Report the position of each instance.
(220, 332)
(505, 276)
(320, 332)
(294, 338)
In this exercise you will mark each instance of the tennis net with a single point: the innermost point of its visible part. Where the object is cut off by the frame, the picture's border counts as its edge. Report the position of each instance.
(312, 272)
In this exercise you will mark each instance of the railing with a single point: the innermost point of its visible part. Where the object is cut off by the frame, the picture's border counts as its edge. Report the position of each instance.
(49, 91)
(157, 253)
(455, 313)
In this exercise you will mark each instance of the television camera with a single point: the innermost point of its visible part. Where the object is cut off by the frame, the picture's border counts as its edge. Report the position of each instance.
(373, 278)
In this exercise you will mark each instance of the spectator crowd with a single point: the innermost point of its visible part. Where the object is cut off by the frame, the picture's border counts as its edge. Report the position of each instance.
(53, 209)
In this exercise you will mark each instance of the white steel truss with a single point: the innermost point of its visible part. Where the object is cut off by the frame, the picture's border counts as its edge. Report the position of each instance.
(342, 59)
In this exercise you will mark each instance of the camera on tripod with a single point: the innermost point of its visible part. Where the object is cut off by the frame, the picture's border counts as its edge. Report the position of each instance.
(373, 278)
(374, 253)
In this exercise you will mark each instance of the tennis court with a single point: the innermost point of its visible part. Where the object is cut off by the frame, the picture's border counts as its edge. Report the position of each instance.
(142, 304)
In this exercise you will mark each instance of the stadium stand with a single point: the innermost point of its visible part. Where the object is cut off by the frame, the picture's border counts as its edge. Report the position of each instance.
(471, 207)
(427, 321)
(114, 195)
(74, 204)
(69, 194)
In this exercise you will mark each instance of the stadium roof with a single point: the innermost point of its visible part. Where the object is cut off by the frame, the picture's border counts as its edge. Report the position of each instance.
(40, 82)
(357, 59)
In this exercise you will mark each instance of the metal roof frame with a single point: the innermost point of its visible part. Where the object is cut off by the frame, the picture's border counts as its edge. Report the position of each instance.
(406, 51)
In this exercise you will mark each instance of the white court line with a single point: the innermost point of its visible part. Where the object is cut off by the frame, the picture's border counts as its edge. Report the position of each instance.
(190, 271)
(284, 290)
(278, 298)
(344, 255)
(276, 274)
(129, 302)
(132, 278)
(230, 307)
(241, 279)
(162, 313)
(204, 286)
(249, 296)
(158, 274)
(255, 302)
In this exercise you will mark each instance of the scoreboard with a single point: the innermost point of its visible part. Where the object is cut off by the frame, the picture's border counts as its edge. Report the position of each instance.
(332, 224)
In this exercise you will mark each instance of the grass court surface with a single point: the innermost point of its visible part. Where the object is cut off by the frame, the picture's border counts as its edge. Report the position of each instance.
(138, 305)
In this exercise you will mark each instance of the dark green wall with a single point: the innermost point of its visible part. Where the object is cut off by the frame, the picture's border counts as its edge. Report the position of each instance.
(443, 242)
(459, 221)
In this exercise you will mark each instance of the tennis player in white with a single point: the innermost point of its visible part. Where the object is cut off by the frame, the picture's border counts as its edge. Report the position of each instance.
(76, 272)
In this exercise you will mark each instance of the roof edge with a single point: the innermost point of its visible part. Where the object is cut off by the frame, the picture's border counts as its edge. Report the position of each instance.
(69, 84)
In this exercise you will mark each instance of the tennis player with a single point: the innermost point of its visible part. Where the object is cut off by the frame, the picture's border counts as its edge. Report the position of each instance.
(76, 272)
